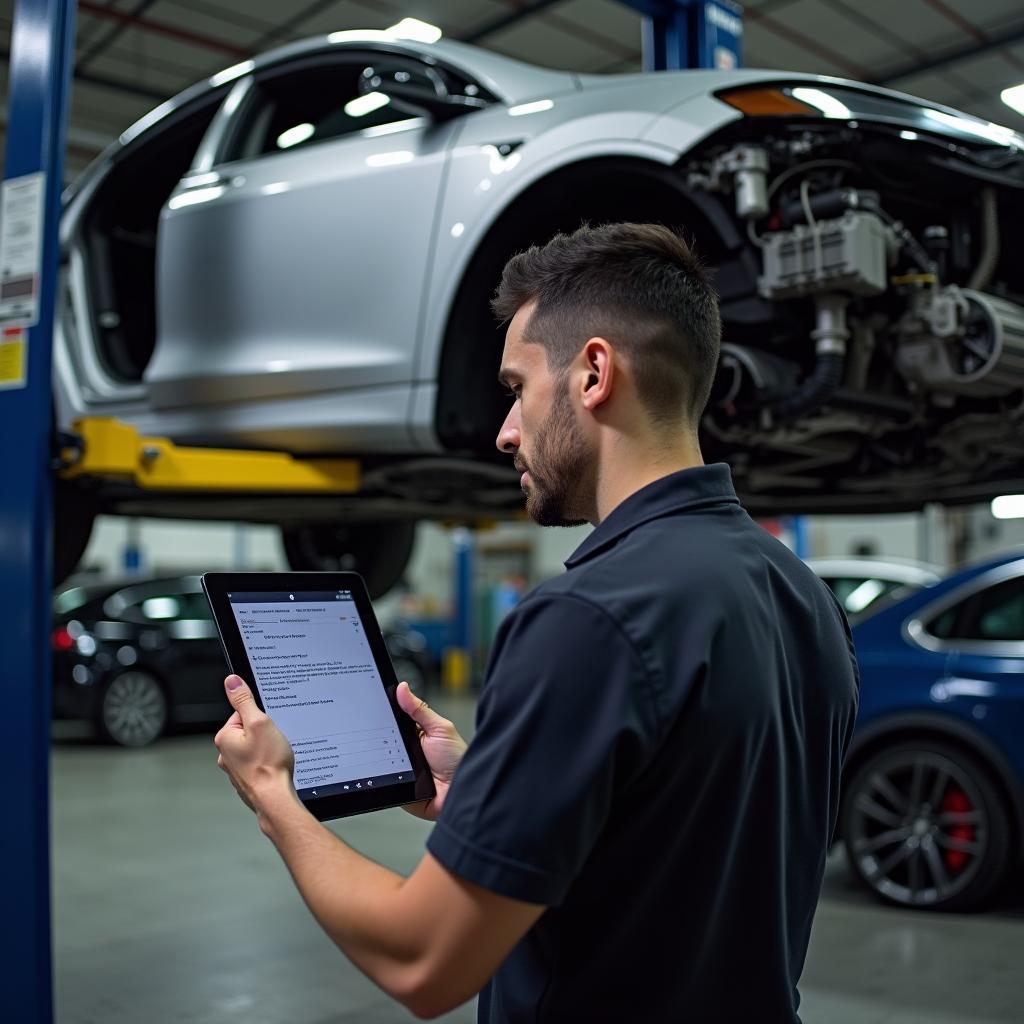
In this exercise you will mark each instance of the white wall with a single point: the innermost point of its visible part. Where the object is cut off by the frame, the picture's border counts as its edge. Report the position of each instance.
(172, 545)
(892, 535)
(176, 546)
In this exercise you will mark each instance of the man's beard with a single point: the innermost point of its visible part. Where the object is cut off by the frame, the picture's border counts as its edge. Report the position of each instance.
(560, 468)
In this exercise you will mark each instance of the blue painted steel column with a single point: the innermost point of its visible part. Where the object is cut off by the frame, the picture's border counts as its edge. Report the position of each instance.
(40, 65)
(680, 34)
(801, 536)
(457, 666)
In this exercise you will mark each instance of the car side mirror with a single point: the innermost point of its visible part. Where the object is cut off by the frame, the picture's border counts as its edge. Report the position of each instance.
(421, 92)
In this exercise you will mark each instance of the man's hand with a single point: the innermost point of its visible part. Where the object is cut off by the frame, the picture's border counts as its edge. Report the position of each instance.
(442, 745)
(254, 753)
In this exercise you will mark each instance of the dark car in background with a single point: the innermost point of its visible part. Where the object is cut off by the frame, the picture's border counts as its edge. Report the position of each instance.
(932, 809)
(138, 657)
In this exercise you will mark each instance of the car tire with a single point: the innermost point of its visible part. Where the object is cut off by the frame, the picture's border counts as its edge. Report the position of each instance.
(925, 827)
(74, 512)
(379, 552)
(132, 710)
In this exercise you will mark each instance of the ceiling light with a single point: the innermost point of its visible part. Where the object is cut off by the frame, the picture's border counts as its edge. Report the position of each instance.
(828, 105)
(1008, 506)
(413, 28)
(1014, 97)
(363, 105)
(293, 136)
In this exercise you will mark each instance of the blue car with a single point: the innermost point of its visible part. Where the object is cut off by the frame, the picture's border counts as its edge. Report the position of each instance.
(933, 806)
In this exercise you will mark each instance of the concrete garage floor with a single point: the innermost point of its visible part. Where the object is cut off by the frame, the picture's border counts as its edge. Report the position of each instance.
(169, 906)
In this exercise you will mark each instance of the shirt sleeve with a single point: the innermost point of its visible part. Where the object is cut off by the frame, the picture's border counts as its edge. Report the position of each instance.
(565, 721)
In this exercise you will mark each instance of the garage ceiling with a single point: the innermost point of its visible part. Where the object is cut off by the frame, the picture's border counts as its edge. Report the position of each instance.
(131, 54)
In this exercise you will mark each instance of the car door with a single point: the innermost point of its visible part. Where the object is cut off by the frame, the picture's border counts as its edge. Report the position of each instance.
(297, 262)
(179, 638)
(986, 639)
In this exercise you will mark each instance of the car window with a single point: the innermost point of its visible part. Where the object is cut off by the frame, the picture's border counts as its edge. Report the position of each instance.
(995, 613)
(855, 594)
(69, 600)
(312, 104)
(170, 606)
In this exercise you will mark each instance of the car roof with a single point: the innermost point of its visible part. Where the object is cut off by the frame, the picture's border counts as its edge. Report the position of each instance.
(903, 570)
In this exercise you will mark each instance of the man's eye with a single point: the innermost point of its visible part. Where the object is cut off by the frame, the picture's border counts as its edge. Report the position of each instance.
(513, 394)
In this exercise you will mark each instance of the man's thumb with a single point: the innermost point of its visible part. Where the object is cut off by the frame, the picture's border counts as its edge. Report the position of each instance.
(240, 697)
(418, 710)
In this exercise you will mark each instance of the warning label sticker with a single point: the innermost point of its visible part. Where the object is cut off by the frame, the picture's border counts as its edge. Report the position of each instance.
(13, 353)
(21, 246)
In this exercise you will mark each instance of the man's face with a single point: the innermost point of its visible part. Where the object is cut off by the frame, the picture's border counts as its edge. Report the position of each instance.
(543, 433)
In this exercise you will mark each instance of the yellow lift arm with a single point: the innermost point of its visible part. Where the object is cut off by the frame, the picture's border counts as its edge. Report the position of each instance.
(113, 449)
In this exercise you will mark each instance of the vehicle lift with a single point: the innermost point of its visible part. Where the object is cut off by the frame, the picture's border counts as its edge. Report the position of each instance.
(676, 34)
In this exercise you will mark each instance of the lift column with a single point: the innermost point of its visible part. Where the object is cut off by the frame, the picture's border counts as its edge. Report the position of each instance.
(42, 42)
(680, 34)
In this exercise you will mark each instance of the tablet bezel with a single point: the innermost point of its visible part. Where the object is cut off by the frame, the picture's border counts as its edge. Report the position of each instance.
(217, 586)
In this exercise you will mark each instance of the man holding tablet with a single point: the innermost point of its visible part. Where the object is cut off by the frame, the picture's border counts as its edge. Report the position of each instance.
(638, 830)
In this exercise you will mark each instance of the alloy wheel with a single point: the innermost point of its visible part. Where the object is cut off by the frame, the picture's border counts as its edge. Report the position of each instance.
(134, 710)
(917, 827)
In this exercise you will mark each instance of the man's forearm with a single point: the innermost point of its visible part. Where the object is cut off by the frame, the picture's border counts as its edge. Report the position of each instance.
(356, 901)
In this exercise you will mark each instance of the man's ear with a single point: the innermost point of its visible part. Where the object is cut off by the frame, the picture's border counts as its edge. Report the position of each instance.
(598, 372)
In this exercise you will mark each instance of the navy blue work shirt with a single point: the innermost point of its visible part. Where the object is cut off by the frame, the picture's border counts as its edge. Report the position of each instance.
(657, 761)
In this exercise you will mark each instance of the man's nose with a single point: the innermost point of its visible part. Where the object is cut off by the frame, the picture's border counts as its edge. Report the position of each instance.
(508, 437)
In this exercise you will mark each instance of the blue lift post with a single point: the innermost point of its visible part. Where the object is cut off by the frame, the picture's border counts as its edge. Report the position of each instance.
(42, 41)
(679, 34)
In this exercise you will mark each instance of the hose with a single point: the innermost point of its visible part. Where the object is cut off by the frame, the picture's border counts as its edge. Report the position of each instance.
(830, 336)
(982, 276)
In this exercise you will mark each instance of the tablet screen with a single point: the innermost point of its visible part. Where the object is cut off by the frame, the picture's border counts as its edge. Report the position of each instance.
(316, 676)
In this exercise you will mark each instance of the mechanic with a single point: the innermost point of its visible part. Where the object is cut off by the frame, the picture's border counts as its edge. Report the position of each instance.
(638, 829)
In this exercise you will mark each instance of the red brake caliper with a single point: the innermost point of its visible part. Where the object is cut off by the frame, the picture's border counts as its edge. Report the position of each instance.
(956, 801)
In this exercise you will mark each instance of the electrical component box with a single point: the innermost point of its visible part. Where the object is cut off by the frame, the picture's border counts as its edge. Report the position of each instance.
(849, 254)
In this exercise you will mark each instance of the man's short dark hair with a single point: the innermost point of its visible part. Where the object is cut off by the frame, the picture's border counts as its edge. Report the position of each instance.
(639, 286)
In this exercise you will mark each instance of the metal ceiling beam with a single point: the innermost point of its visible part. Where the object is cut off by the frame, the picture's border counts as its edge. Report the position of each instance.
(284, 30)
(160, 28)
(88, 78)
(507, 20)
(1006, 39)
(98, 47)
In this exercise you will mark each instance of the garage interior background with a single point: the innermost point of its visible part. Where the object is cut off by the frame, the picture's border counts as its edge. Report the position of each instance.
(133, 54)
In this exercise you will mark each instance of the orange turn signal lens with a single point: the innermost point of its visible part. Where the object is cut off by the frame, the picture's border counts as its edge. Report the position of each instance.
(765, 103)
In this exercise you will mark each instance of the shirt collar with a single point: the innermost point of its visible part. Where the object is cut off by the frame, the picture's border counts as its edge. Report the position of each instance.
(692, 488)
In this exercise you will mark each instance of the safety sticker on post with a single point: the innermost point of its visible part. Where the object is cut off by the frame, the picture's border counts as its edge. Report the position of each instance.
(21, 247)
(13, 352)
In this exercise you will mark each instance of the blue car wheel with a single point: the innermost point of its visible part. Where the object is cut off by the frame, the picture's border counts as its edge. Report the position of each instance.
(925, 827)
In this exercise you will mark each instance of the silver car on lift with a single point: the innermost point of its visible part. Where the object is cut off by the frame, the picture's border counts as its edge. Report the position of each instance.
(297, 254)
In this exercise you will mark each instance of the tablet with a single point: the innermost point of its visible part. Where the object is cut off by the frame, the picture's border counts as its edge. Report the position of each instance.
(309, 645)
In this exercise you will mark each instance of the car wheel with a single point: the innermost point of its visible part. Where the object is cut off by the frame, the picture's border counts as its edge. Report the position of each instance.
(133, 709)
(379, 552)
(925, 827)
